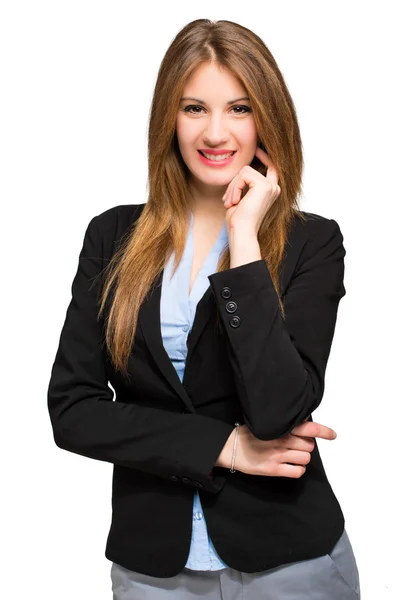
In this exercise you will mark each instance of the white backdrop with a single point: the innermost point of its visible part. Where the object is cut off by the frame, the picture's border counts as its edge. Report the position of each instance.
(77, 79)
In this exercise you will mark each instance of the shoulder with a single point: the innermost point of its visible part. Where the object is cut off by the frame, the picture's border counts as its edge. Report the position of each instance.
(115, 221)
(119, 217)
(106, 229)
(313, 230)
(314, 237)
(314, 225)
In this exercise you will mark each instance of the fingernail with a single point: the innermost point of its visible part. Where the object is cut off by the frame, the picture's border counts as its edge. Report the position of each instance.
(335, 435)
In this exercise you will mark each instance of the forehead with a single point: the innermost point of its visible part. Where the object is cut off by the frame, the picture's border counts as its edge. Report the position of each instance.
(213, 81)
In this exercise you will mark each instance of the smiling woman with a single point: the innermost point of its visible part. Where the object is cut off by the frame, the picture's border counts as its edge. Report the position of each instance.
(213, 322)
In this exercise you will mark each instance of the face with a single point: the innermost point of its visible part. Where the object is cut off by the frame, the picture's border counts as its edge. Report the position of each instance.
(208, 122)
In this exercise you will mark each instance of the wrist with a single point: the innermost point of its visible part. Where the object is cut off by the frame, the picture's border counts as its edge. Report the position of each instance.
(244, 248)
(240, 234)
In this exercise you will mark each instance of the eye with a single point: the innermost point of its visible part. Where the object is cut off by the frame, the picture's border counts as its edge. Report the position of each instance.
(188, 108)
(245, 109)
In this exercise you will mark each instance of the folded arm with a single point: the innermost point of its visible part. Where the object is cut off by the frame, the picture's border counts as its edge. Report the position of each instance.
(279, 366)
(85, 419)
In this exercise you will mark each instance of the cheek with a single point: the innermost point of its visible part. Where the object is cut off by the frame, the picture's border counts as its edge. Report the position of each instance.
(185, 136)
(179, 130)
(251, 134)
(247, 136)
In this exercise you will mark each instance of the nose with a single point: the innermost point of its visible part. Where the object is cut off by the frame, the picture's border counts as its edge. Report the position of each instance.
(216, 132)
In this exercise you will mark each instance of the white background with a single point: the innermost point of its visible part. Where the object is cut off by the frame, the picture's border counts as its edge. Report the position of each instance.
(76, 82)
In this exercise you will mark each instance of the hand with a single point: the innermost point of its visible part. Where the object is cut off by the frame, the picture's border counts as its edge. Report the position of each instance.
(271, 458)
(250, 210)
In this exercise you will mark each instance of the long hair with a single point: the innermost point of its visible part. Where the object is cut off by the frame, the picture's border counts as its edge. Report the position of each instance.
(163, 224)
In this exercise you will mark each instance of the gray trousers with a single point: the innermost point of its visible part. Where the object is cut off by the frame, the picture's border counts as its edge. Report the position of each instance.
(332, 576)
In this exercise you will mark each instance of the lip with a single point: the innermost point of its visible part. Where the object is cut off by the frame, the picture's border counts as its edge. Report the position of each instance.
(216, 163)
(215, 152)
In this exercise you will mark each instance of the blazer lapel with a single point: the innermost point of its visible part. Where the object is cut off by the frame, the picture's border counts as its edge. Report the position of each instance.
(150, 323)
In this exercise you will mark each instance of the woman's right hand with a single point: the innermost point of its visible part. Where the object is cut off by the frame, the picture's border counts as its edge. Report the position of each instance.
(282, 457)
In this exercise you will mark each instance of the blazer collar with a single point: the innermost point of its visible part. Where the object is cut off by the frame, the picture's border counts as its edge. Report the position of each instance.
(150, 323)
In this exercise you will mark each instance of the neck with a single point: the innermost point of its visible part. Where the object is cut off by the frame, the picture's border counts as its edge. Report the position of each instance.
(206, 203)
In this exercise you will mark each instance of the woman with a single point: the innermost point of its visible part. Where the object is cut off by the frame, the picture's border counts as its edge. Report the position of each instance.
(213, 320)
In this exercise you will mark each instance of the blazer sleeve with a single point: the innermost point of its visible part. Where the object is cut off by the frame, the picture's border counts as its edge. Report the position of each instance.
(279, 365)
(85, 419)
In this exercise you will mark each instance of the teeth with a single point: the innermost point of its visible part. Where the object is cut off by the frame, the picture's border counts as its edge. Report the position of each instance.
(218, 157)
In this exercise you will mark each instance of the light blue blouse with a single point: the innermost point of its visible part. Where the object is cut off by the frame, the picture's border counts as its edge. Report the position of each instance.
(178, 309)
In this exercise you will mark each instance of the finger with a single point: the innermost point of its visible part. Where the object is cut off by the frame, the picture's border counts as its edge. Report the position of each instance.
(296, 457)
(238, 187)
(272, 173)
(298, 442)
(243, 179)
(313, 429)
(291, 471)
(229, 196)
(230, 186)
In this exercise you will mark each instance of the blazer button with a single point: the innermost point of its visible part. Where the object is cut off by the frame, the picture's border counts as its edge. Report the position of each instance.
(226, 292)
(231, 307)
(235, 321)
(186, 480)
(174, 478)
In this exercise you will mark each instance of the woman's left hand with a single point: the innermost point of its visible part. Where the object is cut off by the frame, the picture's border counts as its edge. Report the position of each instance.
(248, 212)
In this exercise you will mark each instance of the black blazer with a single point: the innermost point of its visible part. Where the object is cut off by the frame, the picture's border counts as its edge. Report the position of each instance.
(163, 436)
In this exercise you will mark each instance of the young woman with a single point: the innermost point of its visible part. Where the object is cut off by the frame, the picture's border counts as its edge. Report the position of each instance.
(211, 310)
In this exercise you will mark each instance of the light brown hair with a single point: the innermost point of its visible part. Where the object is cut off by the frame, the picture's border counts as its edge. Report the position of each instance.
(163, 225)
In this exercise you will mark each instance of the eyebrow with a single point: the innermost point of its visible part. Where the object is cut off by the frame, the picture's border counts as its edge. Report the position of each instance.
(203, 101)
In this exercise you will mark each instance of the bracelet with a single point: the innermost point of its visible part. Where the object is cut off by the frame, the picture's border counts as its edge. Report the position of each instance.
(232, 470)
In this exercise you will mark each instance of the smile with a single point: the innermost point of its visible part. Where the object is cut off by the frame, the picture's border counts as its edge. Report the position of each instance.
(216, 160)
